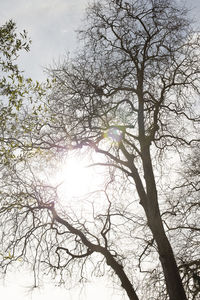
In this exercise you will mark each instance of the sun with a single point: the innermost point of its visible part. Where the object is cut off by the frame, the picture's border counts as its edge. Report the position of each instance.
(75, 179)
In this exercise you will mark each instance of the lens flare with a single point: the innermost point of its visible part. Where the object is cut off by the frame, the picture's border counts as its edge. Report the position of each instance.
(114, 133)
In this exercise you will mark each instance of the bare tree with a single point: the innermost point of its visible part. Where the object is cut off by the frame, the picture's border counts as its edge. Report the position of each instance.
(131, 82)
(129, 95)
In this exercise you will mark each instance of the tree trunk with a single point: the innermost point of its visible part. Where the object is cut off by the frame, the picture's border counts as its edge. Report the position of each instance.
(172, 277)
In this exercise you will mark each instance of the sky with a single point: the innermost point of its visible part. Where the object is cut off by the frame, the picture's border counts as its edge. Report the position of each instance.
(51, 25)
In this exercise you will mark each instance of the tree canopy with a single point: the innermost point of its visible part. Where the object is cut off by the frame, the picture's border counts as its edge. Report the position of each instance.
(129, 98)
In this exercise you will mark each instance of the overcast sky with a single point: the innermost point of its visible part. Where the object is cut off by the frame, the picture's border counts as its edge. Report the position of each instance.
(51, 25)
